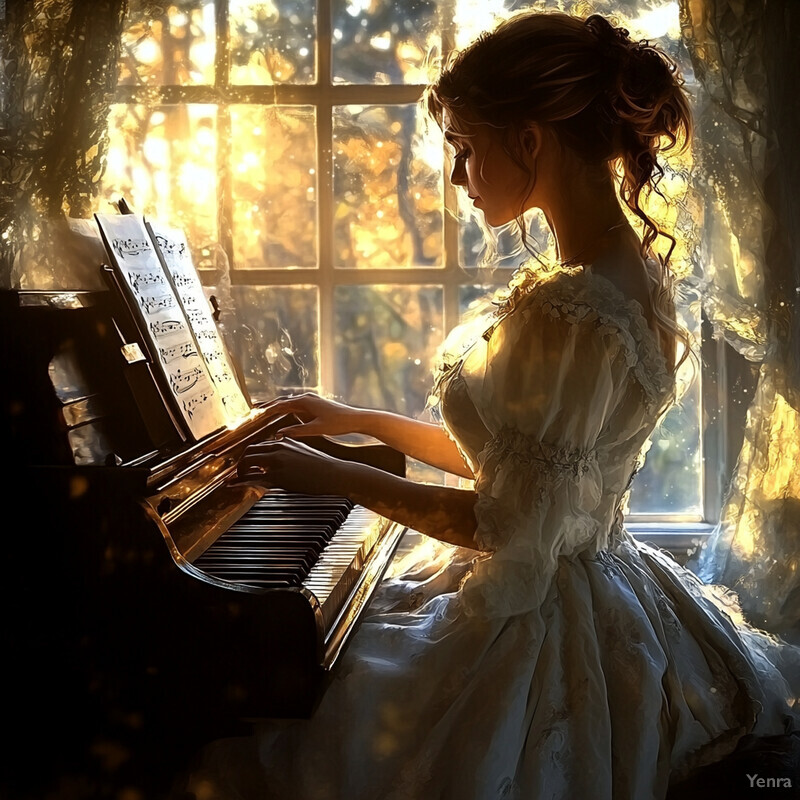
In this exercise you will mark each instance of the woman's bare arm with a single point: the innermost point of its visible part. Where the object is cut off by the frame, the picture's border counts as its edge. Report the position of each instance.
(443, 512)
(423, 441)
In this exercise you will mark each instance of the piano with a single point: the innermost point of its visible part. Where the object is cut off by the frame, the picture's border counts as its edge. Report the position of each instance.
(144, 577)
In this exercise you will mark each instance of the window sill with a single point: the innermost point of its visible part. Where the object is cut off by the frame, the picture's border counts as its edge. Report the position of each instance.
(679, 539)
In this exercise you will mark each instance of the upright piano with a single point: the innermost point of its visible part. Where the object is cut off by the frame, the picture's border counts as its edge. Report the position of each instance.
(142, 572)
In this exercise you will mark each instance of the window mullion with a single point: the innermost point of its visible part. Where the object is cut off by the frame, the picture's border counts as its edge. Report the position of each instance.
(453, 274)
(225, 189)
(278, 94)
(713, 411)
(222, 61)
(363, 277)
(326, 280)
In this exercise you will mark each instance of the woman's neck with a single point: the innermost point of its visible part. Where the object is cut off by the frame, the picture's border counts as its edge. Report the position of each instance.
(581, 212)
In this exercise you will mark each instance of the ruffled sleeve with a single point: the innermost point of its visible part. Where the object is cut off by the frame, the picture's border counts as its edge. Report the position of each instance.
(557, 386)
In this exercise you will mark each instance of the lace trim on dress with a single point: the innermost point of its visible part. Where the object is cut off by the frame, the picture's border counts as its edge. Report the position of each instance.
(580, 295)
(552, 466)
(528, 449)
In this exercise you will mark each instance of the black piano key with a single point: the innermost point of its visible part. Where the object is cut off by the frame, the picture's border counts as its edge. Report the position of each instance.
(273, 543)
(254, 525)
(292, 575)
(221, 551)
(250, 536)
(262, 557)
(304, 506)
(224, 551)
(260, 517)
(269, 540)
(268, 559)
(322, 511)
(287, 550)
(311, 500)
(254, 528)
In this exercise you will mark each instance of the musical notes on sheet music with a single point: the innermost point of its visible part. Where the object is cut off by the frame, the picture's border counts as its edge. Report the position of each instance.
(162, 328)
(197, 316)
(152, 304)
(182, 380)
(125, 248)
(182, 281)
(140, 282)
(165, 322)
(191, 405)
(178, 261)
(172, 248)
(184, 350)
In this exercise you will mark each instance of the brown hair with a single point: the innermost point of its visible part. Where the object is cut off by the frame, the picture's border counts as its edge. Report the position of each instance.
(608, 98)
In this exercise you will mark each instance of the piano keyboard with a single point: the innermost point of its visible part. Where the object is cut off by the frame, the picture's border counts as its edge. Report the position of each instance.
(289, 540)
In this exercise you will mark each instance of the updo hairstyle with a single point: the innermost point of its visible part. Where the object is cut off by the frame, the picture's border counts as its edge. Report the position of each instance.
(609, 99)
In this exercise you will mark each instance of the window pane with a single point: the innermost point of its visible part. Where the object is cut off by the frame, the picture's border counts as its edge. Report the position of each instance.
(383, 42)
(274, 338)
(387, 184)
(656, 20)
(671, 479)
(274, 178)
(272, 43)
(162, 160)
(168, 44)
(386, 340)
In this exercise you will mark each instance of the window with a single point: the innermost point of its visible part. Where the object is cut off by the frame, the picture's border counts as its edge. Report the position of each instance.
(285, 139)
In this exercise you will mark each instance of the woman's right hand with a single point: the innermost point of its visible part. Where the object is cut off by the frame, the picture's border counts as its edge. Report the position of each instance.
(318, 416)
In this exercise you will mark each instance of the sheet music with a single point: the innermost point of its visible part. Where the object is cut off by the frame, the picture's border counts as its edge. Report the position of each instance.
(166, 326)
(177, 259)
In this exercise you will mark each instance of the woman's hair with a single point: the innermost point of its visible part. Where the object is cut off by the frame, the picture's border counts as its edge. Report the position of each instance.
(610, 100)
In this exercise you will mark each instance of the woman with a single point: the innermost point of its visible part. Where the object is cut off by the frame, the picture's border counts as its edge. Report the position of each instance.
(546, 654)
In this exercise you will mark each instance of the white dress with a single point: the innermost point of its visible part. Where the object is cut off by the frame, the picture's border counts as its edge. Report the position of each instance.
(572, 662)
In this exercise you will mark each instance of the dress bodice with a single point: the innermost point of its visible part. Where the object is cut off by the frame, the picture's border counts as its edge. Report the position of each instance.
(551, 408)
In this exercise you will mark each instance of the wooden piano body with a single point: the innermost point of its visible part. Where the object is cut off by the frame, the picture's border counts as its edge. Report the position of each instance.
(107, 615)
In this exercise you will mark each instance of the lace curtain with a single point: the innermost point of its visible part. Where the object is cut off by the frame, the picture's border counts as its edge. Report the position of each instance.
(57, 76)
(58, 72)
(744, 55)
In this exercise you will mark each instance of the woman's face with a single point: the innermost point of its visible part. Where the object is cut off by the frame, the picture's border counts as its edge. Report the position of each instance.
(497, 184)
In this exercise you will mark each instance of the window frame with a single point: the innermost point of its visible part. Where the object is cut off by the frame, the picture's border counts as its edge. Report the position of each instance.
(676, 532)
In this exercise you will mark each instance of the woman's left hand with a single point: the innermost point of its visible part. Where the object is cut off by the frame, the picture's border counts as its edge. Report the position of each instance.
(294, 466)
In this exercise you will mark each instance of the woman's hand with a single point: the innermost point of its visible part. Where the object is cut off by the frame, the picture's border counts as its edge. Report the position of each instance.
(294, 466)
(318, 416)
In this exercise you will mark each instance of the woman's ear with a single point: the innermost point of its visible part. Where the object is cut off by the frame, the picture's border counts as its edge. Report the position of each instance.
(531, 138)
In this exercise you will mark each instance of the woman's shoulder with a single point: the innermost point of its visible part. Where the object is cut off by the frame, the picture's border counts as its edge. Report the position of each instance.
(575, 294)
(582, 296)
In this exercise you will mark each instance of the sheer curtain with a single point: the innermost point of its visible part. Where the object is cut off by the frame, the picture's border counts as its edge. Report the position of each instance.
(744, 56)
(58, 72)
